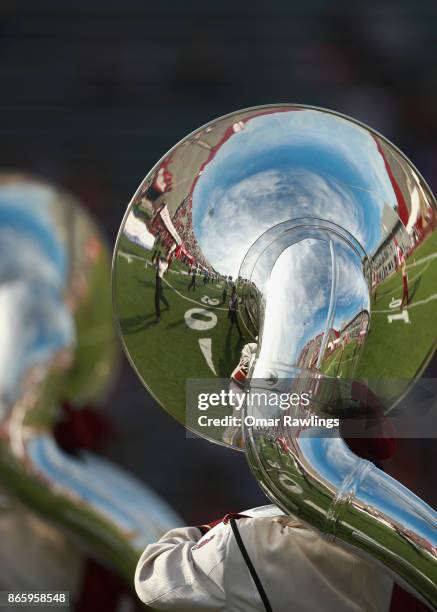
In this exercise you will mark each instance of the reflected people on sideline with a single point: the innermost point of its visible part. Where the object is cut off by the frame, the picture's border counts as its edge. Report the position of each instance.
(161, 268)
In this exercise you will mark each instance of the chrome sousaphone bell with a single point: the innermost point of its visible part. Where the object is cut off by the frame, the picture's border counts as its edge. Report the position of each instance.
(290, 249)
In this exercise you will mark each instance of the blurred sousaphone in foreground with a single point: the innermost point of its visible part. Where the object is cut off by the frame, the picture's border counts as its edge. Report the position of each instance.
(290, 249)
(59, 504)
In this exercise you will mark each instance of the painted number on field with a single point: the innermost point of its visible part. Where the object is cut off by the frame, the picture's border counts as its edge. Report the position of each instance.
(394, 303)
(200, 319)
(209, 301)
(400, 316)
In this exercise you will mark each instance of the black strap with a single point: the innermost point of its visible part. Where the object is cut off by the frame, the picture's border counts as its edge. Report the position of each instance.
(250, 567)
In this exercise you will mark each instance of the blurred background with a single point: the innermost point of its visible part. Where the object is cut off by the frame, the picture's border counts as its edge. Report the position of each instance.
(94, 92)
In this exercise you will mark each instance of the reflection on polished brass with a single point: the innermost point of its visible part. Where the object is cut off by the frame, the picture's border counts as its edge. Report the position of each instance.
(310, 472)
(58, 343)
(324, 228)
(290, 243)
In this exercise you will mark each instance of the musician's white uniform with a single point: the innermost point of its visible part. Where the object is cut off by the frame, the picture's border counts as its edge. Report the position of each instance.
(299, 570)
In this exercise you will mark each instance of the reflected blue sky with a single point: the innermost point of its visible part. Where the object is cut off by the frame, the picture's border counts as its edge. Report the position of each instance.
(298, 295)
(33, 271)
(333, 461)
(286, 165)
(105, 488)
(27, 211)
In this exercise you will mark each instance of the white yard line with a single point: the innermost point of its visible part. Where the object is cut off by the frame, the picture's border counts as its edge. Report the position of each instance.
(420, 261)
(400, 288)
(129, 257)
(341, 362)
(432, 297)
(206, 348)
(184, 297)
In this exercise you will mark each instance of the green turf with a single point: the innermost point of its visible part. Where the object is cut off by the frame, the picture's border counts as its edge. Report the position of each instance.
(392, 351)
(395, 352)
(96, 344)
(156, 347)
(342, 361)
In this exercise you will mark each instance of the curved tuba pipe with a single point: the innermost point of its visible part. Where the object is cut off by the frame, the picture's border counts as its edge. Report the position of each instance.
(319, 480)
(308, 470)
(320, 237)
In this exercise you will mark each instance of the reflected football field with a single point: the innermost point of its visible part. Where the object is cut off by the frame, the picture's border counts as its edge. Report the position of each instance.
(408, 341)
(198, 320)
